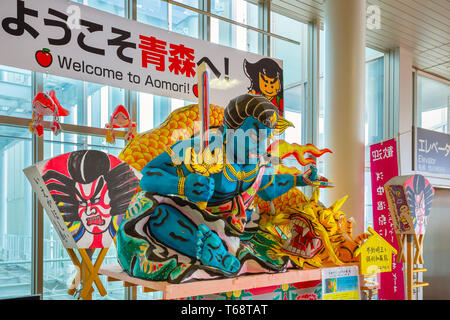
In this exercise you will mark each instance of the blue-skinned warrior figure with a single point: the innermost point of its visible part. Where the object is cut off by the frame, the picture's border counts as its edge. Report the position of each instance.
(230, 172)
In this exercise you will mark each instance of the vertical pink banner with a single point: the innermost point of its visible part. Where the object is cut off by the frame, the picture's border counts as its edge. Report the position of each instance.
(383, 167)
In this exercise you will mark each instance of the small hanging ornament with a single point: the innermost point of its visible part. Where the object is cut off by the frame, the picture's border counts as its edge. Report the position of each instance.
(46, 105)
(120, 119)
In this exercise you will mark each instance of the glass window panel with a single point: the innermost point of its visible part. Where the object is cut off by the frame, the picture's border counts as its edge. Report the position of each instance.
(101, 102)
(293, 60)
(153, 110)
(116, 7)
(145, 112)
(321, 141)
(293, 104)
(15, 92)
(15, 212)
(68, 142)
(374, 124)
(184, 21)
(95, 110)
(372, 53)
(231, 35)
(57, 263)
(433, 103)
(374, 98)
(153, 12)
(237, 10)
(294, 134)
(237, 37)
(69, 93)
(177, 103)
(222, 8)
(294, 72)
(166, 16)
(368, 208)
(292, 54)
(374, 103)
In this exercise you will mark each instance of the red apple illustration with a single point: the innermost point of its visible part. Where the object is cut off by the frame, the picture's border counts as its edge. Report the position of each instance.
(44, 58)
(195, 90)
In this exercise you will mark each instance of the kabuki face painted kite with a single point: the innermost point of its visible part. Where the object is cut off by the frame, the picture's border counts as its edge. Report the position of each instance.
(419, 193)
(92, 191)
(94, 205)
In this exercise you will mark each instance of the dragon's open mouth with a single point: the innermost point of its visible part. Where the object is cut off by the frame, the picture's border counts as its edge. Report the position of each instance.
(303, 242)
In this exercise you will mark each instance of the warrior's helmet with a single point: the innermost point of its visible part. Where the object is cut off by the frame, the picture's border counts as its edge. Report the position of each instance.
(257, 106)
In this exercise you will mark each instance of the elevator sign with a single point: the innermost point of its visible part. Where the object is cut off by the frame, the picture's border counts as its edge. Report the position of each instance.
(432, 152)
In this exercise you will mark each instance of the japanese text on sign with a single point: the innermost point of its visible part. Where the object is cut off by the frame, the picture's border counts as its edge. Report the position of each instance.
(81, 42)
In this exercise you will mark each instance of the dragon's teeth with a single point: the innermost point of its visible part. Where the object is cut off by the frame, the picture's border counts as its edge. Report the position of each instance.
(316, 243)
(305, 231)
(308, 249)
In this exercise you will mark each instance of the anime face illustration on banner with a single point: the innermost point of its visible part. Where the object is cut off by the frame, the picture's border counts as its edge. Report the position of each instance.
(92, 191)
(266, 79)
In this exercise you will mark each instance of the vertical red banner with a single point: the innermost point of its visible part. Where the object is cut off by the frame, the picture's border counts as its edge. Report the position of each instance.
(383, 167)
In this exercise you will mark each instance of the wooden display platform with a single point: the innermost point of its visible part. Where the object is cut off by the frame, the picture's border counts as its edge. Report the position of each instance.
(203, 287)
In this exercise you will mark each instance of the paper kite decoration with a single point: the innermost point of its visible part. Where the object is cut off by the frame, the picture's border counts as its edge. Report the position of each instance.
(85, 194)
(410, 199)
(46, 105)
(120, 119)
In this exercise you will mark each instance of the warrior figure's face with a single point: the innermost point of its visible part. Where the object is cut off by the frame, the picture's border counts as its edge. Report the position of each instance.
(249, 141)
(269, 86)
(94, 205)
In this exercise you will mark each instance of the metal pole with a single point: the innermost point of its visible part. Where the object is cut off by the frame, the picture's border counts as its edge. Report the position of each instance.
(37, 226)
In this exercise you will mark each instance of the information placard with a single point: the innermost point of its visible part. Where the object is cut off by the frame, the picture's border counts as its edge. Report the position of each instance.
(341, 283)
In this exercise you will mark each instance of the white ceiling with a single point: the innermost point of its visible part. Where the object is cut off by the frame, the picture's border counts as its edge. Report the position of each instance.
(423, 26)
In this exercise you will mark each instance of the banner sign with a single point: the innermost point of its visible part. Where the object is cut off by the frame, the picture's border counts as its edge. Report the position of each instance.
(75, 41)
(432, 152)
(341, 283)
(383, 167)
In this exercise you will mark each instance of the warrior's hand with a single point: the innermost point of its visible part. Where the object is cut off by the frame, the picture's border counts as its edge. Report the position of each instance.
(311, 178)
(310, 175)
(198, 188)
